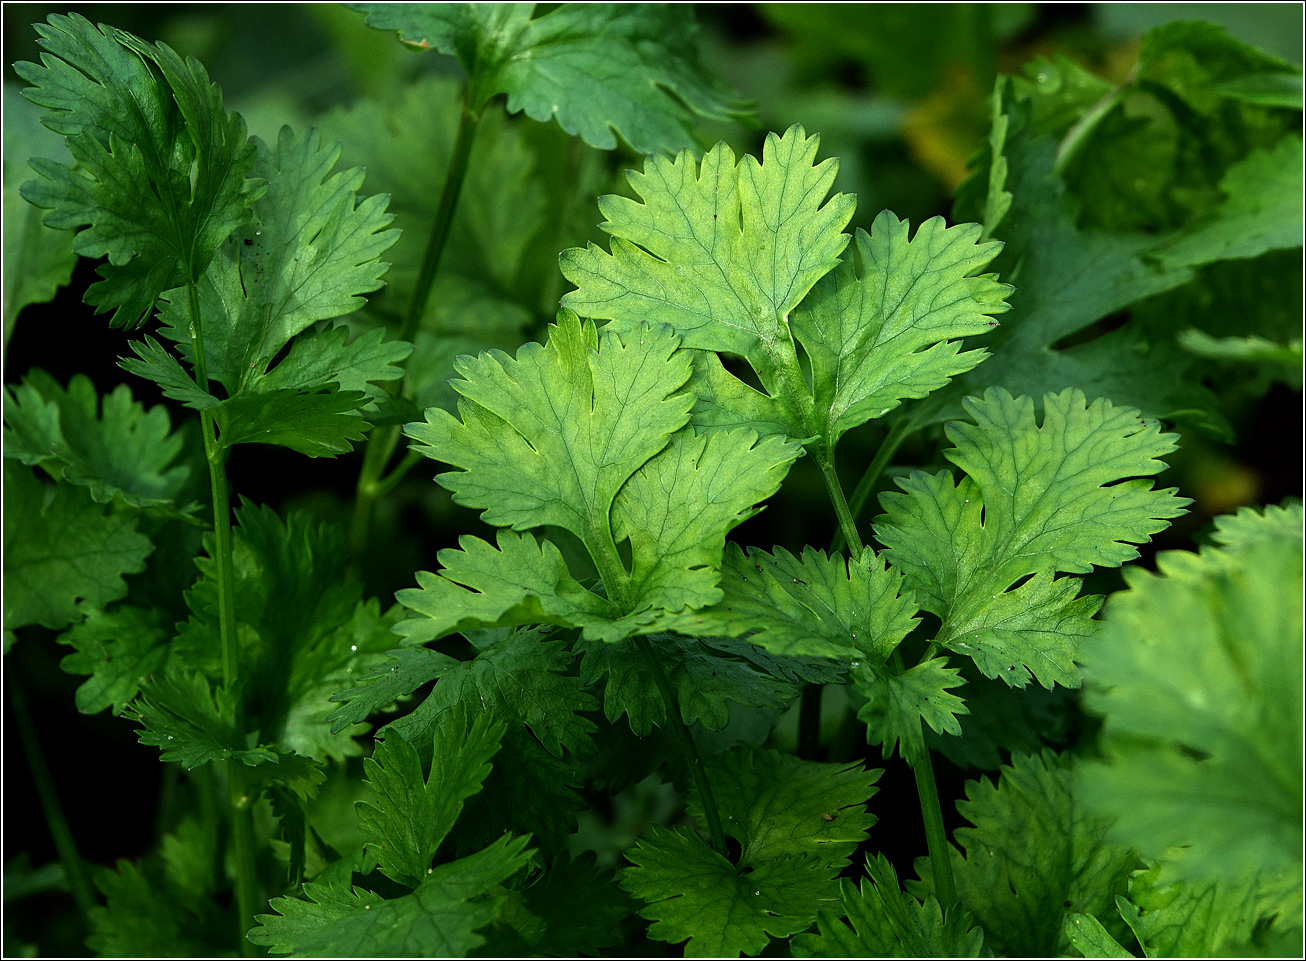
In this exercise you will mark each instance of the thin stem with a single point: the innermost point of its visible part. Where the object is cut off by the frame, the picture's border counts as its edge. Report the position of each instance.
(897, 434)
(383, 441)
(1077, 136)
(847, 528)
(687, 747)
(936, 836)
(74, 868)
(248, 897)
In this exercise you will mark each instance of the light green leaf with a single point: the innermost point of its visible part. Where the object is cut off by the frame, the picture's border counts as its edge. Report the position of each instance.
(721, 252)
(440, 918)
(135, 136)
(1038, 499)
(628, 69)
(120, 650)
(113, 447)
(1197, 671)
(888, 923)
(60, 552)
(153, 362)
(896, 704)
(319, 422)
(357, 366)
(1032, 849)
(818, 606)
(412, 816)
(1087, 936)
(886, 325)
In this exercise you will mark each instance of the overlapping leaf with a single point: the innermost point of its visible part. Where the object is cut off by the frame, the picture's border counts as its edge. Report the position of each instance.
(1198, 673)
(628, 69)
(412, 815)
(441, 917)
(120, 649)
(1037, 500)
(885, 922)
(63, 552)
(113, 447)
(135, 140)
(550, 438)
(796, 821)
(1033, 856)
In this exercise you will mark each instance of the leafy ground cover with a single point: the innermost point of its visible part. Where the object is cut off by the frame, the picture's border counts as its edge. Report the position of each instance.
(574, 696)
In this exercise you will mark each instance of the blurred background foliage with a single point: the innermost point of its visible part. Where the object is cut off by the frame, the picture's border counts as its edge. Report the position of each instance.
(899, 92)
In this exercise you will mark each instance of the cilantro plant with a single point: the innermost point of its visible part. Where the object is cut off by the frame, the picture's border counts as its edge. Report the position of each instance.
(421, 778)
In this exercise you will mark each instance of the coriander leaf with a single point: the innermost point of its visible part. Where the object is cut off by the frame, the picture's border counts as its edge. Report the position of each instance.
(1033, 847)
(440, 918)
(888, 923)
(179, 714)
(570, 882)
(1197, 671)
(1087, 936)
(135, 137)
(525, 679)
(897, 703)
(326, 358)
(319, 423)
(818, 606)
(63, 552)
(309, 253)
(1069, 278)
(886, 324)
(550, 436)
(153, 362)
(113, 447)
(305, 632)
(705, 674)
(693, 893)
(796, 821)
(153, 913)
(777, 805)
(120, 650)
(379, 689)
(721, 252)
(599, 70)
(1261, 211)
(38, 260)
(411, 816)
(1036, 501)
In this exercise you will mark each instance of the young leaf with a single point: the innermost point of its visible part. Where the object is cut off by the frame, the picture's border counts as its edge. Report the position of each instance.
(598, 69)
(440, 918)
(135, 136)
(63, 552)
(896, 704)
(886, 922)
(1197, 671)
(796, 821)
(113, 447)
(1033, 856)
(411, 817)
(1036, 501)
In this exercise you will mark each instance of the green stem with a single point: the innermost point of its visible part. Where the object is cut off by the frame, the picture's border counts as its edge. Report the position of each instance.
(897, 434)
(687, 747)
(383, 441)
(1077, 136)
(74, 868)
(248, 897)
(847, 527)
(936, 835)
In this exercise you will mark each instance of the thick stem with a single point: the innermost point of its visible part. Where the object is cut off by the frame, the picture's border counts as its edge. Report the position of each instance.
(248, 897)
(74, 868)
(888, 448)
(847, 527)
(687, 747)
(381, 443)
